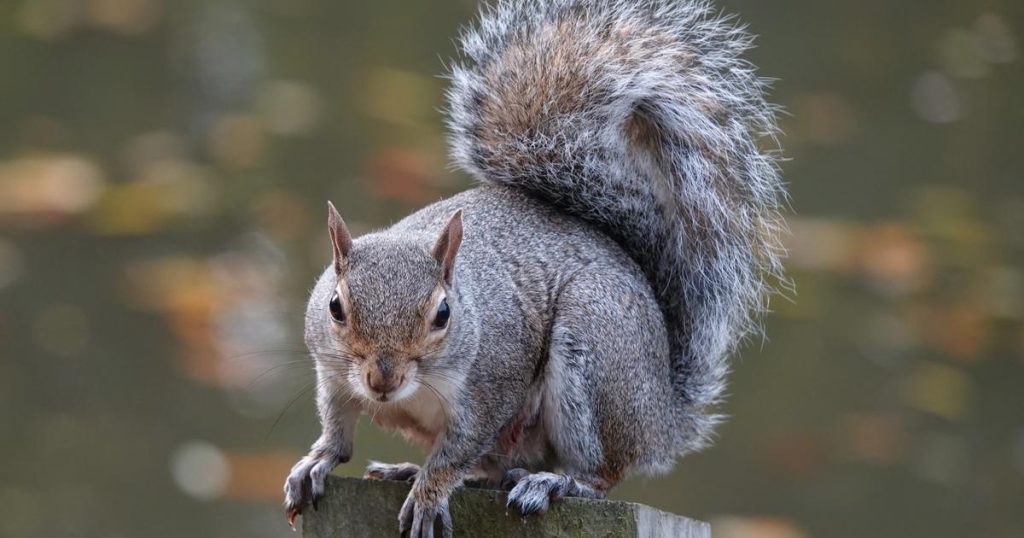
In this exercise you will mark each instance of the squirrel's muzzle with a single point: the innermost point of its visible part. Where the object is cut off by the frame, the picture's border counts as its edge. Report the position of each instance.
(383, 379)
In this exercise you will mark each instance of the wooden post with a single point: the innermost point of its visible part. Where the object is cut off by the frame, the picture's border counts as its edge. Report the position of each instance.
(356, 508)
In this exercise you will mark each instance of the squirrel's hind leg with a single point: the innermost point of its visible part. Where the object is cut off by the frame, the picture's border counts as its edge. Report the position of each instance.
(533, 493)
(595, 445)
(571, 423)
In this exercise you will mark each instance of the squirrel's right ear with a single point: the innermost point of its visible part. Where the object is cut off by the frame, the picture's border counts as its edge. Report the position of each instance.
(341, 239)
(447, 246)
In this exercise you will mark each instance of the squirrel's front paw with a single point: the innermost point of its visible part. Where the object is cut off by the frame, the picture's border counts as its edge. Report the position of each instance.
(305, 483)
(418, 519)
(403, 472)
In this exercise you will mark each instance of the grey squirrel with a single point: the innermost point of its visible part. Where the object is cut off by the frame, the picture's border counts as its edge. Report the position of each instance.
(569, 321)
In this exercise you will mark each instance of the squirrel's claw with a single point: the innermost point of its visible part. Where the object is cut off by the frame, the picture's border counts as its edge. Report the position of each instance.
(512, 477)
(417, 520)
(305, 484)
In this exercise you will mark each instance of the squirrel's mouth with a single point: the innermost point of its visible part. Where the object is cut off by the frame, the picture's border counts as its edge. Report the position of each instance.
(400, 391)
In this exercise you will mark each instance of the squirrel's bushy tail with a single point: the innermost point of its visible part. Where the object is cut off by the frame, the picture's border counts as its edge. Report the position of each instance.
(641, 118)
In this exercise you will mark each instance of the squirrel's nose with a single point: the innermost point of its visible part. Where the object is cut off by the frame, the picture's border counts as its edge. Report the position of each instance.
(382, 380)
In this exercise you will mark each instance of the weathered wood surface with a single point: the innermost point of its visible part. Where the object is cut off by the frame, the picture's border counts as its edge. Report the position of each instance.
(356, 508)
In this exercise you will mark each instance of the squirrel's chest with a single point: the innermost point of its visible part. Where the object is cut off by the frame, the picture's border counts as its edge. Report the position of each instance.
(419, 417)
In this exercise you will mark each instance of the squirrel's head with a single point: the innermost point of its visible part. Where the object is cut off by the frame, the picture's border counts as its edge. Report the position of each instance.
(390, 309)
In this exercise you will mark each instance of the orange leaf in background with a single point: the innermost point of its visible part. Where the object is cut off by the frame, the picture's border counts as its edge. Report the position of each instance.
(128, 17)
(755, 527)
(875, 438)
(404, 175)
(894, 257)
(47, 188)
(797, 453)
(962, 330)
(199, 300)
(165, 192)
(184, 291)
(258, 477)
(819, 244)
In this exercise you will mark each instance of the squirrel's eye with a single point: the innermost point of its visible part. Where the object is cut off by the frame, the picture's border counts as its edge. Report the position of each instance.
(336, 312)
(443, 313)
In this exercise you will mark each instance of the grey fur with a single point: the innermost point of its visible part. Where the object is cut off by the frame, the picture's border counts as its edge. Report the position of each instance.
(544, 103)
(614, 258)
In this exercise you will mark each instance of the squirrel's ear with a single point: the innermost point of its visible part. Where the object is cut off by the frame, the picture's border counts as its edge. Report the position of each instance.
(448, 245)
(341, 239)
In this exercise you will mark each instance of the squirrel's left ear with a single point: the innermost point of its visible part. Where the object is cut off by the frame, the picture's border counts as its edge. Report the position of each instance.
(448, 245)
(341, 239)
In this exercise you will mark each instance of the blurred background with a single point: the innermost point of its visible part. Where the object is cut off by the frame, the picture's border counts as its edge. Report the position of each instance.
(163, 172)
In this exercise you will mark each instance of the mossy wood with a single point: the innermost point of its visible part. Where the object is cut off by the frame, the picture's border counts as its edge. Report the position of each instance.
(356, 508)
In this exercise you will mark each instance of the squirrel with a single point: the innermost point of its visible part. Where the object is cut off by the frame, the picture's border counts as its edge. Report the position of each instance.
(567, 322)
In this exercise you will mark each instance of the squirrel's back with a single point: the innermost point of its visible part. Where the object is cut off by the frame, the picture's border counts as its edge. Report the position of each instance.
(640, 118)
